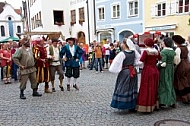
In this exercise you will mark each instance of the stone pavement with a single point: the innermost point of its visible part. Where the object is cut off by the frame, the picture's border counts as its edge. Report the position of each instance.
(90, 106)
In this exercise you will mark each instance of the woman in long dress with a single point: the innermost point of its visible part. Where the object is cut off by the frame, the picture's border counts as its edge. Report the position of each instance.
(182, 71)
(125, 93)
(166, 92)
(147, 99)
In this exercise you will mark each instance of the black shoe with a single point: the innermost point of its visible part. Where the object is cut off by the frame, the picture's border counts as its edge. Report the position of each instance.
(36, 94)
(22, 96)
(61, 87)
(132, 110)
(53, 89)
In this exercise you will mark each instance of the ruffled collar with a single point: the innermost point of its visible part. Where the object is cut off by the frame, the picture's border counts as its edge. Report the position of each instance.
(152, 50)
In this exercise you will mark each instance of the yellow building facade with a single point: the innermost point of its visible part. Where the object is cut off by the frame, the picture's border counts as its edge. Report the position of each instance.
(168, 16)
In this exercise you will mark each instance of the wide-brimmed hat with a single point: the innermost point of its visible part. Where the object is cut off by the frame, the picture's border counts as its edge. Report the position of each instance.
(54, 39)
(71, 39)
(178, 39)
(149, 42)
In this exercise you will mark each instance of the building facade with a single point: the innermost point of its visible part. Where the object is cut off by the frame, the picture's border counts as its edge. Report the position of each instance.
(48, 16)
(169, 16)
(118, 19)
(82, 20)
(10, 21)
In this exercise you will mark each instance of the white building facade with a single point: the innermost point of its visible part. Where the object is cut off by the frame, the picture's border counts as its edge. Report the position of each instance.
(10, 21)
(82, 23)
(48, 16)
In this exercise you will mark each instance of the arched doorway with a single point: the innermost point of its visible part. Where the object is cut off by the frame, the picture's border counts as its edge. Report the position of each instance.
(104, 36)
(124, 34)
(81, 37)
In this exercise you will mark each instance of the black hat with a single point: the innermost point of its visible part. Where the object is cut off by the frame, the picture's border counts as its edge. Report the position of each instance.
(168, 42)
(71, 39)
(178, 39)
(54, 39)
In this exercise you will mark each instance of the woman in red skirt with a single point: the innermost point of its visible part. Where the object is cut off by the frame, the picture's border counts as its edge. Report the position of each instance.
(147, 99)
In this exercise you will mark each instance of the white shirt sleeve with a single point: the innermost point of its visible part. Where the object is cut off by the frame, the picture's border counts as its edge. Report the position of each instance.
(117, 63)
(177, 58)
(188, 47)
(137, 59)
(48, 55)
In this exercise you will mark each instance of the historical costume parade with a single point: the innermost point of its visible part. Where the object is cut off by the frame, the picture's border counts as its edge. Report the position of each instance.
(147, 99)
(182, 70)
(166, 92)
(55, 61)
(125, 93)
(71, 53)
(42, 65)
(23, 57)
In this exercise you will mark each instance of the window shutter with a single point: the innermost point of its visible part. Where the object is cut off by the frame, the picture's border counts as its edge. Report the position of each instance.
(174, 8)
(168, 8)
(153, 11)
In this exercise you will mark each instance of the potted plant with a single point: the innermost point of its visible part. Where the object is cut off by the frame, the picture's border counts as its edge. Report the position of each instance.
(59, 23)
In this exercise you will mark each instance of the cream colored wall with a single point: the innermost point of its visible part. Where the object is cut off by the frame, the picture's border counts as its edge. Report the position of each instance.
(180, 19)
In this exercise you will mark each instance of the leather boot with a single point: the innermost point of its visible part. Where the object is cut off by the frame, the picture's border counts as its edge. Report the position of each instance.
(35, 93)
(46, 90)
(76, 87)
(68, 87)
(22, 94)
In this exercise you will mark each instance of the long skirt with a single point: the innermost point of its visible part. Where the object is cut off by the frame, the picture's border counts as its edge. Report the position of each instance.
(125, 93)
(147, 99)
(42, 75)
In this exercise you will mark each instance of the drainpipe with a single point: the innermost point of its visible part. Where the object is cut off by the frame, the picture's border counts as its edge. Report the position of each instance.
(94, 7)
(88, 21)
(28, 17)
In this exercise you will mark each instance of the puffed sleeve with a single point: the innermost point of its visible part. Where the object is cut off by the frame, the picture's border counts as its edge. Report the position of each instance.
(163, 61)
(177, 58)
(143, 57)
(117, 63)
(79, 52)
(17, 56)
(62, 52)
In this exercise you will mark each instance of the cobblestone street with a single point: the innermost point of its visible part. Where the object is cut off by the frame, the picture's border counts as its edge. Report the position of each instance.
(90, 106)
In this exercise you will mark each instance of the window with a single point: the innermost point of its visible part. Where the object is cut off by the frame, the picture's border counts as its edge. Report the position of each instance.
(18, 29)
(161, 9)
(183, 6)
(101, 13)
(170, 34)
(116, 11)
(81, 14)
(73, 16)
(133, 8)
(2, 30)
(58, 17)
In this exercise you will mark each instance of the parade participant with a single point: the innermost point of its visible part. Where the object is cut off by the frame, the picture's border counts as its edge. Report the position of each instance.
(125, 93)
(42, 65)
(23, 58)
(55, 63)
(147, 99)
(6, 64)
(71, 53)
(166, 92)
(182, 71)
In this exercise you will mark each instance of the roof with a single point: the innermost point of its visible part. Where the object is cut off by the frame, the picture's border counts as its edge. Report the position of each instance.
(2, 4)
(18, 11)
